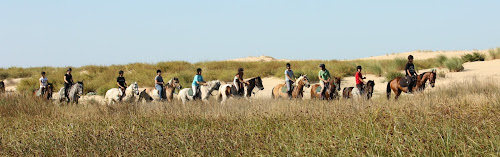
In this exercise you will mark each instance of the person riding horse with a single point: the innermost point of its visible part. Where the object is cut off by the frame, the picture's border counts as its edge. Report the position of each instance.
(289, 79)
(68, 82)
(324, 77)
(197, 81)
(411, 74)
(360, 80)
(159, 84)
(43, 83)
(239, 82)
(122, 85)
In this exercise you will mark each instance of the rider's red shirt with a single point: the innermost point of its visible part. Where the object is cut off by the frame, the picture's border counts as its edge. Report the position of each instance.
(358, 75)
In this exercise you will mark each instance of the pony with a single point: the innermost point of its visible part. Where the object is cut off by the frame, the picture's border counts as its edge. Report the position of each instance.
(352, 92)
(2, 87)
(75, 91)
(330, 93)
(48, 92)
(144, 95)
(297, 88)
(419, 85)
(228, 90)
(168, 90)
(114, 94)
(206, 91)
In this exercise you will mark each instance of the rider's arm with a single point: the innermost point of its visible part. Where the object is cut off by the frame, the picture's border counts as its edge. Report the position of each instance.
(40, 81)
(241, 79)
(289, 78)
(65, 79)
(361, 79)
(119, 85)
(321, 78)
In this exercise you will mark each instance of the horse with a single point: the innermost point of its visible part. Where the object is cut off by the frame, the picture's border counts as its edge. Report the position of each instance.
(144, 95)
(228, 90)
(114, 94)
(2, 87)
(280, 90)
(352, 92)
(75, 91)
(419, 85)
(168, 90)
(48, 92)
(206, 91)
(330, 93)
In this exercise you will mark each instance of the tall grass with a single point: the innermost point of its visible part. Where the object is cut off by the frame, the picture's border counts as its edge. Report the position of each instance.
(457, 120)
(494, 53)
(101, 78)
(454, 64)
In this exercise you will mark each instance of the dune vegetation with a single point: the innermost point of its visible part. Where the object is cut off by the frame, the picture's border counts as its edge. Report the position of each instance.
(101, 78)
(459, 119)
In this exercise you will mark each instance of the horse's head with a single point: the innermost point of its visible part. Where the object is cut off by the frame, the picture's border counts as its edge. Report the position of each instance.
(433, 78)
(79, 88)
(303, 80)
(336, 82)
(369, 88)
(145, 95)
(213, 85)
(175, 83)
(135, 88)
(258, 83)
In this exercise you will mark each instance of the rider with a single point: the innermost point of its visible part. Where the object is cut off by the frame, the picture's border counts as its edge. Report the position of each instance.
(43, 83)
(238, 82)
(410, 73)
(122, 85)
(359, 80)
(68, 82)
(289, 79)
(324, 79)
(197, 81)
(159, 83)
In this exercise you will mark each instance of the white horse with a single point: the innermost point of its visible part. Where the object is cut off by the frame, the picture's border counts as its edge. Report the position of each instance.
(75, 91)
(228, 90)
(114, 94)
(206, 91)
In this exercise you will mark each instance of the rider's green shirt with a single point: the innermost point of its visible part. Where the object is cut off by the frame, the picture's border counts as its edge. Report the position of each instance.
(324, 74)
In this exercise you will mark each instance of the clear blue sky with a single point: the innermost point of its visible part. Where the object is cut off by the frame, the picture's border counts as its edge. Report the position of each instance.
(75, 33)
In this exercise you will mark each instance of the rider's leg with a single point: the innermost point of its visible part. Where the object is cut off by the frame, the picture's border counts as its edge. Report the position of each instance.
(289, 88)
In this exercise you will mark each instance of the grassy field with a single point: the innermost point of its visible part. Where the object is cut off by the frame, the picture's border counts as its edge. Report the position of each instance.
(101, 78)
(461, 119)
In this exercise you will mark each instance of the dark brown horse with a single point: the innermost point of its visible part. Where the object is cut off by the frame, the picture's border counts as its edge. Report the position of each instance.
(2, 87)
(298, 91)
(47, 94)
(419, 85)
(330, 93)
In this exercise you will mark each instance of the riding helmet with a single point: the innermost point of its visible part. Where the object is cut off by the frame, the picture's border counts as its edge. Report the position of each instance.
(158, 71)
(240, 69)
(322, 65)
(198, 70)
(69, 69)
(287, 64)
(359, 67)
(410, 57)
(120, 72)
(43, 72)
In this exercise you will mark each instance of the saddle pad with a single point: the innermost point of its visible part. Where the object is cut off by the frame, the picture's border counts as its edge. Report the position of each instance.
(318, 89)
(284, 89)
(403, 82)
(38, 92)
(190, 92)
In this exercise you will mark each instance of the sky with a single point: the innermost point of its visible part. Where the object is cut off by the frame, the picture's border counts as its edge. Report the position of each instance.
(76, 33)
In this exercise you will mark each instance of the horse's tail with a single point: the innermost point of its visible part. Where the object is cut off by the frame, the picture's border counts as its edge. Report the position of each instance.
(388, 91)
(272, 93)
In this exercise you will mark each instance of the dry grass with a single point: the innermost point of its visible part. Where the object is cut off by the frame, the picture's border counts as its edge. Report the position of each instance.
(462, 119)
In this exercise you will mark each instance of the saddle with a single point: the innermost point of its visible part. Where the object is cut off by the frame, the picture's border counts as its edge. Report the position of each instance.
(236, 92)
(285, 89)
(406, 81)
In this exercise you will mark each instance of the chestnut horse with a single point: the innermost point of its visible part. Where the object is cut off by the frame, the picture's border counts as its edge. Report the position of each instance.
(330, 93)
(298, 89)
(419, 85)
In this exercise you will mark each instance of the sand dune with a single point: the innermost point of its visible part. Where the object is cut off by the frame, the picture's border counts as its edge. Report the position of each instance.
(258, 59)
(424, 54)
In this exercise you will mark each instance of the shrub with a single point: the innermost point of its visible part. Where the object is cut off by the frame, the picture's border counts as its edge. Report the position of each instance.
(454, 64)
(393, 74)
(494, 54)
(441, 74)
(473, 57)
(441, 59)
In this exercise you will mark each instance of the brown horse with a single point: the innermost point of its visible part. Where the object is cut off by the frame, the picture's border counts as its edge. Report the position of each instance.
(2, 87)
(48, 92)
(168, 90)
(350, 92)
(298, 90)
(419, 85)
(330, 93)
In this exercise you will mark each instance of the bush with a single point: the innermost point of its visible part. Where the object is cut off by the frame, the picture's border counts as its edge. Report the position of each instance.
(494, 54)
(454, 64)
(441, 59)
(393, 74)
(473, 57)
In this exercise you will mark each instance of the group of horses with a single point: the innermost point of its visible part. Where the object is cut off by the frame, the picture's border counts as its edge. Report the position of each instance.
(226, 91)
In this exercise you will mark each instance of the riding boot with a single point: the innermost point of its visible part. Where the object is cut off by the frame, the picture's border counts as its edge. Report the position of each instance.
(289, 95)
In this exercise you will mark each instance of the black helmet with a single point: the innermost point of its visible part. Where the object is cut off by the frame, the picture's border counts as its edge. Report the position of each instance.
(322, 65)
(158, 71)
(240, 69)
(69, 69)
(410, 57)
(198, 70)
(43, 72)
(359, 67)
(120, 72)
(287, 64)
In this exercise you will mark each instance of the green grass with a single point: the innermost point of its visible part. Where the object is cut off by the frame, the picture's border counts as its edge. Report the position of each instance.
(473, 57)
(494, 53)
(441, 59)
(457, 120)
(101, 78)
(393, 74)
(454, 64)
